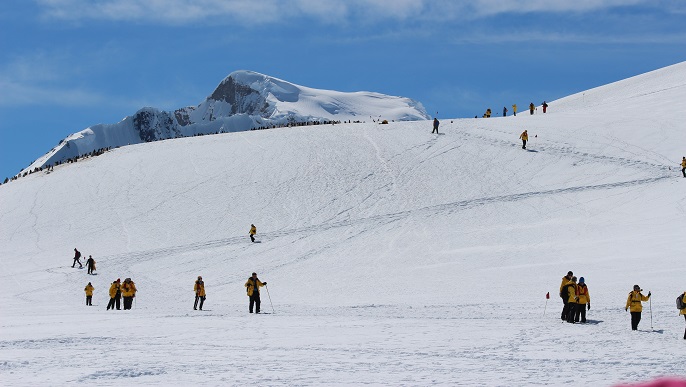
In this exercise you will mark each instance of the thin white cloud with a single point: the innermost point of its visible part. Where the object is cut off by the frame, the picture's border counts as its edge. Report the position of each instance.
(255, 12)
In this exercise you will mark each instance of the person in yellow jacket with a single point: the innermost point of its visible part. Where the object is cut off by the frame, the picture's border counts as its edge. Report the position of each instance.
(253, 288)
(115, 295)
(531, 108)
(583, 302)
(563, 294)
(572, 300)
(128, 292)
(683, 166)
(253, 231)
(89, 294)
(514, 109)
(199, 289)
(524, 137)
(633, 304)
(683, 311)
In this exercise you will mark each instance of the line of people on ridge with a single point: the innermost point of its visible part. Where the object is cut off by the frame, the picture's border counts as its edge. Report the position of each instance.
(127, 291)
(532, 108)
(577, 300)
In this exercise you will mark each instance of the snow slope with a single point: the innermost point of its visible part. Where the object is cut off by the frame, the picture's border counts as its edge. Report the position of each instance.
(393, 256)
(242, 101)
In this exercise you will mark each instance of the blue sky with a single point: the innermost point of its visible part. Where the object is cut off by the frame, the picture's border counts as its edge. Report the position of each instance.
(69, 64)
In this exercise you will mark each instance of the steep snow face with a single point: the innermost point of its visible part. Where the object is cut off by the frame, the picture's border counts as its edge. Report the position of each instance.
(242, 101)
(408, 257)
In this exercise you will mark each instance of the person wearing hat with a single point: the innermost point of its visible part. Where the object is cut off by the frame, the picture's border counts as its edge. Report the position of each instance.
(566, 280)
(633, 304)
(90, 264)
(89, 294)
(584, 301)
(77, 259)
(253, 231)
(115, 295)
(572, 300)
(199, 289)
(253, 288)
(128, 292)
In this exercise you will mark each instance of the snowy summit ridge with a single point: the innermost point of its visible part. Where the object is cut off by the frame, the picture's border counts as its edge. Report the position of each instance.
(242, 101)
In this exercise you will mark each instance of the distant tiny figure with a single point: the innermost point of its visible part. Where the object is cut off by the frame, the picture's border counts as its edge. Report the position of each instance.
(545, 107)
(253, 288)
(90, 263)
(436, 123)
(199, 289)
(514, 109)
(683, 166)
(128, 292)
(89, 294)
(253, 231)
(683, 311)
(633, 304)
(524, 137)
(531, 108)
(583, 302)
(504, 111)
(77, 259)
(488, 113)
(115, 295)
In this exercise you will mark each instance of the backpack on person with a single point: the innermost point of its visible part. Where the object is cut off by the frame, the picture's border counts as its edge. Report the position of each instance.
(680, 302)
(564, 293)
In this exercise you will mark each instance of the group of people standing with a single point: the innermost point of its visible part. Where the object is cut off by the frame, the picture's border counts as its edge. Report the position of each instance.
(575, 297)
(577, 300)
(119, 290)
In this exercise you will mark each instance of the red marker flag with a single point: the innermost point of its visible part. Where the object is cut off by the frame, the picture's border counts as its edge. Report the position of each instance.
(547, 296)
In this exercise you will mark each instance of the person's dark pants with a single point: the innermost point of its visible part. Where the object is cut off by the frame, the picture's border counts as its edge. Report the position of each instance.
(635, 319)
(88, 300)
(571, 311)
(504, 113)
(128, 301)
(252, 237)
(90, 269)
(568, 312)
(683, 172)
(202, 300)
(110, 304)
(514, 113)
(435, 130)
(76, 260)
(255, 300)
(531, 112)
(523, 144)
(580, 313)
(564, 310)
(685, 329)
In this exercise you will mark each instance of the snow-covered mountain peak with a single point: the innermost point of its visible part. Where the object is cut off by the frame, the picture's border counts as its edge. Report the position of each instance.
(244, 100)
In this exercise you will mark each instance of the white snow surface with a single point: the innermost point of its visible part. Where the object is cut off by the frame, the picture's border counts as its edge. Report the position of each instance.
(393, 256)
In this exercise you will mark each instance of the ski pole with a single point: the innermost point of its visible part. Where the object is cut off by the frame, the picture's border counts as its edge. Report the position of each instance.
(270, 298)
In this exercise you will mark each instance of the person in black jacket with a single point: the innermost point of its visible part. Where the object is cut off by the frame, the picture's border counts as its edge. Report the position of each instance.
(436, 123)
(77, 258)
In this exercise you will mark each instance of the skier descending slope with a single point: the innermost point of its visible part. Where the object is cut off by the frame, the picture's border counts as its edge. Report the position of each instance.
(253, 231)
(634, 302)
(253, 288)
